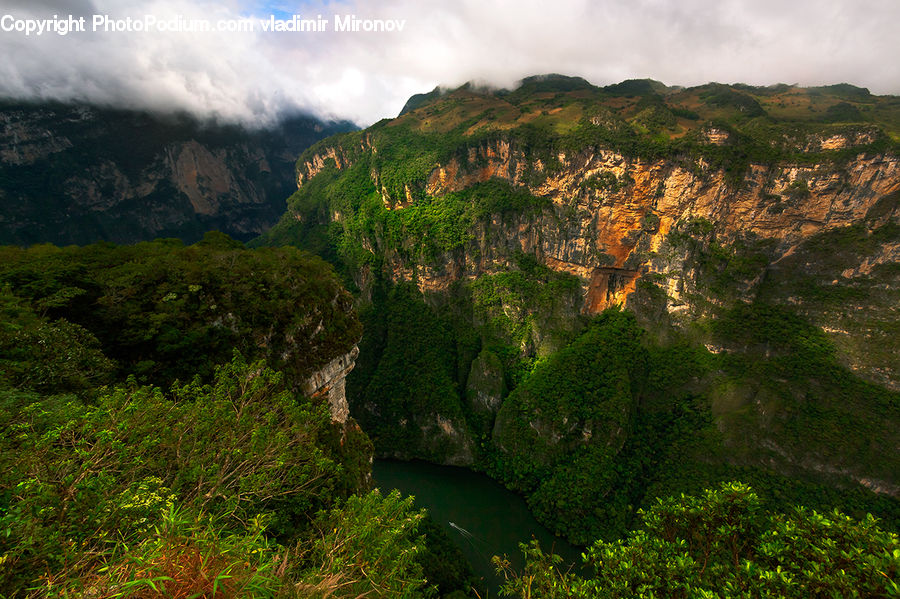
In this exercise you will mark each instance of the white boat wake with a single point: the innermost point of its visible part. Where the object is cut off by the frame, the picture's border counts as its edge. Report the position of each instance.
(462, 530)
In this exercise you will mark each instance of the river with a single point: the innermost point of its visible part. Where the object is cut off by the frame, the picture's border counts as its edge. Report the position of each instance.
(481, 516)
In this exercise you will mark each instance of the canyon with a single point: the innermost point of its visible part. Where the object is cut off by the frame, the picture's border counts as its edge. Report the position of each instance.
(687, 262)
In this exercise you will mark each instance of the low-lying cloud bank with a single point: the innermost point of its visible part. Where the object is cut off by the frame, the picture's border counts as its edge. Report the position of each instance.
(361, 60)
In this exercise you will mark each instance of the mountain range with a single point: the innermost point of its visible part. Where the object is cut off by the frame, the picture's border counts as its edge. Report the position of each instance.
(74, 173)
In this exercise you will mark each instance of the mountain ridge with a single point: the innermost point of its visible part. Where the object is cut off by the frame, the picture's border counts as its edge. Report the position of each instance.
(76, 173)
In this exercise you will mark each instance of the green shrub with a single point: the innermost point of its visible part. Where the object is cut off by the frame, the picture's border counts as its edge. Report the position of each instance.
(367, 546)
(185, 555)
(80, 479)
(724, 543)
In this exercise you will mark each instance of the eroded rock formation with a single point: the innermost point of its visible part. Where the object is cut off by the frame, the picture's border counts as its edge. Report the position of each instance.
(330, 382)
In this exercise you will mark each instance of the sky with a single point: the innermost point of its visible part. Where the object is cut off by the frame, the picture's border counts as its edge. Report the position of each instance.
(255, 76)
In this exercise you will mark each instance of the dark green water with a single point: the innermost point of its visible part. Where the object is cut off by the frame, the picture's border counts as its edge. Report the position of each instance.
(486, 518)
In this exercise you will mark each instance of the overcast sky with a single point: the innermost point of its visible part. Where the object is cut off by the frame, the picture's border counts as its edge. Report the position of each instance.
(364, 77)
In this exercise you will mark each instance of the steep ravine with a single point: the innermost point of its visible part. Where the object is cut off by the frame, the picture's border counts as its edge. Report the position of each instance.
(613, 234)
(597, 309)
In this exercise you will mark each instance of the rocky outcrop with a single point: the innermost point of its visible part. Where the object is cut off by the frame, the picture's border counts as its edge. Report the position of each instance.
(607, 235)
(336, 156)
(450, 438)
(611, 220)
(25, 141)
(204, 177)
(486, 388)
(442, 439)
(330, 383)
(839, 141)
(715, 136)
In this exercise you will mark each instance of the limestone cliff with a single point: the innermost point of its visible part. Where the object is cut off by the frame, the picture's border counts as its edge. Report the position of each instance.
(615, 233)
(330, 382)
(593, 229)
(522, 214)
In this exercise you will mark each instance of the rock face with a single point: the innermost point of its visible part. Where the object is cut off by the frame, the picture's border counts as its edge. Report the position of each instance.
(612, 217)
(330, 382)
(313, 164)
(445, 440)
(79, 174)
(607, 236)
(720, 217)
(486, 388)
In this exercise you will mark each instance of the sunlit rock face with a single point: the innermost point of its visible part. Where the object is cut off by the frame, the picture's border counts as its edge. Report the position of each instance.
(330, 382)
(614, 236)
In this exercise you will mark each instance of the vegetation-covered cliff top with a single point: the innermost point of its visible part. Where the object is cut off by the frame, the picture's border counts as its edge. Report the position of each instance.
(164, 311)
(649, 107)
(727, 127)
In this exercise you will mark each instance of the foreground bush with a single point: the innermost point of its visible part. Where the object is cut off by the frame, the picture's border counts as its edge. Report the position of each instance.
(722, 544)
(81, 480)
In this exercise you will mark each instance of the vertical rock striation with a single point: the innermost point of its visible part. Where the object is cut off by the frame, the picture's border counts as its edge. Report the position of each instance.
(330, 383)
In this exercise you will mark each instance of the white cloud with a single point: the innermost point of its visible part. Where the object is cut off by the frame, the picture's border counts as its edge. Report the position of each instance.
(366, 76)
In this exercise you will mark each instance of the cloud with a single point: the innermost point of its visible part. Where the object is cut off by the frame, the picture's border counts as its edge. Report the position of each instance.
(255, 76)
(50, 7)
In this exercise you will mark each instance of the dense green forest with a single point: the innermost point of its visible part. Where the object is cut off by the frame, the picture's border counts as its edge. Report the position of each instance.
(229, 483)
(150, 449)
(631, 419)
(162, 311)
(723, 543)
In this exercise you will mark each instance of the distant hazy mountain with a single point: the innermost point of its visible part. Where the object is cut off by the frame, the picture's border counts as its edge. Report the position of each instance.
(78, 174)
